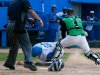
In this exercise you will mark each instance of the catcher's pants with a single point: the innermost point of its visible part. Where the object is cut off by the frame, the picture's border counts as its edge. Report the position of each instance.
(76, 40)
(15, 40)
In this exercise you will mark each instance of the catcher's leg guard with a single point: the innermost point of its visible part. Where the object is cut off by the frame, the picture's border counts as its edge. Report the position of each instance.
(93, 56)
(58, 51)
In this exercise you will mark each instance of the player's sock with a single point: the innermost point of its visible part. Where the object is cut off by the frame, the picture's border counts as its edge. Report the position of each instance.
(93, 56)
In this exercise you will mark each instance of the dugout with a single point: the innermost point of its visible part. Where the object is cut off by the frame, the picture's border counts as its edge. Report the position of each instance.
(82, 9)
(94, 34)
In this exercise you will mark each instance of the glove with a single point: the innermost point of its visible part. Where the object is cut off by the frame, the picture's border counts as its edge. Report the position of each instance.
(31, 21)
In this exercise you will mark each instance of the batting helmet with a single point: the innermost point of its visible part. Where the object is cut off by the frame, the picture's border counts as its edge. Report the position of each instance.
(36, 51)
(56, 65)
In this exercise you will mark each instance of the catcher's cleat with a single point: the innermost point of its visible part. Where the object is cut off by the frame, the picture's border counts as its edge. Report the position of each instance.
(93, 56)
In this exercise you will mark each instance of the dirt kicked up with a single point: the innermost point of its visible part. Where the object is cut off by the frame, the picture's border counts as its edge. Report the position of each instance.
(77, 64)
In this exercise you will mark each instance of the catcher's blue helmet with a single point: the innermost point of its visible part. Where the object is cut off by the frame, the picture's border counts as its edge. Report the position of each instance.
(36, 51)
(56, 65)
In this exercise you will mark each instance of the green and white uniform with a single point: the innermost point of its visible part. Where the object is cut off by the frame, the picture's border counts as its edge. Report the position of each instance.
(74, 28)
(76, 35)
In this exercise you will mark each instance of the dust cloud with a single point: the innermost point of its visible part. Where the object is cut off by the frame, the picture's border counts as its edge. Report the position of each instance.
(78, 58)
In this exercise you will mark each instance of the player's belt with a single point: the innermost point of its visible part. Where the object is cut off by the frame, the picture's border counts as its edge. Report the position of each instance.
(74, 28)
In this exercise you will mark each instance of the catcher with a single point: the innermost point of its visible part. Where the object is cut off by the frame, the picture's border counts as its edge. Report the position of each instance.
(76, 36)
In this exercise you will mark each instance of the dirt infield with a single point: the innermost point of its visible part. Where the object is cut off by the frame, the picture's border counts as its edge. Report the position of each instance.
(70, 69)
(75, 65)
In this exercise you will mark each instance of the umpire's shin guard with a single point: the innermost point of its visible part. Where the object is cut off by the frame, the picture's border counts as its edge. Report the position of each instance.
(93, 56)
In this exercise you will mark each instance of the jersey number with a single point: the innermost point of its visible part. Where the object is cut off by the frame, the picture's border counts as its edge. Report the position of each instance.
(47, 45)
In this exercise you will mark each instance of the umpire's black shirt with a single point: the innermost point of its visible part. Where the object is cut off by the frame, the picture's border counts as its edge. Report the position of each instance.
(17, 11)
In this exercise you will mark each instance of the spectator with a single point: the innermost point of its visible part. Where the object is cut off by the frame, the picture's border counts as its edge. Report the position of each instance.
(62, 15)
(91, 18)
(53, 24)
(89, 28)
(17, 15)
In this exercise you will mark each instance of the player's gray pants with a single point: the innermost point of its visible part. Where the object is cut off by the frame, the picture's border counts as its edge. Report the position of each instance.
(15, 40)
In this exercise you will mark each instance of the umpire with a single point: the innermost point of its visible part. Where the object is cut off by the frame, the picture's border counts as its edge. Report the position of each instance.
(17, 14)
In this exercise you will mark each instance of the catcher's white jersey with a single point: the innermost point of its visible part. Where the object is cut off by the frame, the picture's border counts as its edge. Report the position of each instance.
(47, 47)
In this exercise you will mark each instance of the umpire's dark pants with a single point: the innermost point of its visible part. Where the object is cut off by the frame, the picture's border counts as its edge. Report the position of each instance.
(15, 40)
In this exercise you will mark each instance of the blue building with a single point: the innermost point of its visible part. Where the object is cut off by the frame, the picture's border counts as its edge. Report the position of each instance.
(81, 7)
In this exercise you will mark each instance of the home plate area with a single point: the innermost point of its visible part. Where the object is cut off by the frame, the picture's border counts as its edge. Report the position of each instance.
(76, 64)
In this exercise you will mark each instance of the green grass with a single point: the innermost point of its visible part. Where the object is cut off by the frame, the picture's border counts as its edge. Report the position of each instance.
(98, 53)
(65, 56)
(3, 56)
(20, 56)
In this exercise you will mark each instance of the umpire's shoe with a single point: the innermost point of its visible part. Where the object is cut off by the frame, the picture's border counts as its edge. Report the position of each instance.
(11, 67)
(30, 65)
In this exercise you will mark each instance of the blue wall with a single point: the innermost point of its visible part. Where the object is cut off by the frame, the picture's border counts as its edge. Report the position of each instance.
(86, 1)
(3, 17)
(37, 4)
(5, 0)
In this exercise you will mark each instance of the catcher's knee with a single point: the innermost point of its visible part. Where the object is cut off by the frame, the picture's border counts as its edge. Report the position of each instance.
(93, 56)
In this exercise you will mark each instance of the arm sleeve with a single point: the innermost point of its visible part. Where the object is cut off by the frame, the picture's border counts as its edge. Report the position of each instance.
(26, 5)
(63, 25)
